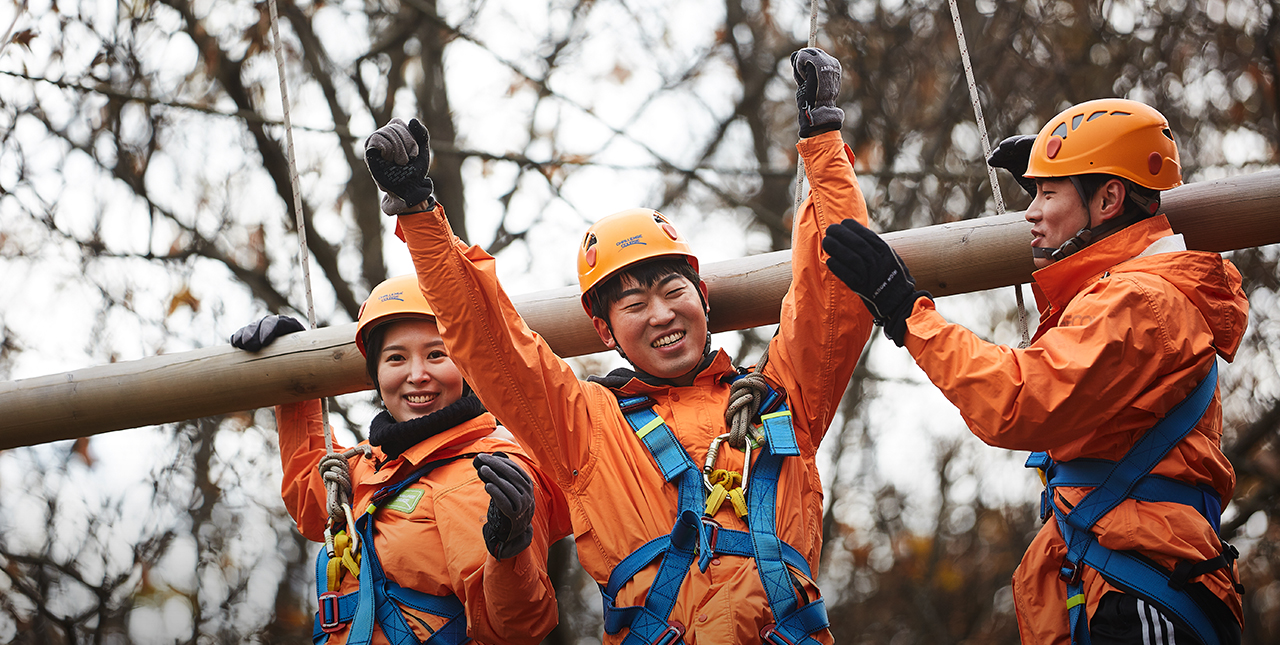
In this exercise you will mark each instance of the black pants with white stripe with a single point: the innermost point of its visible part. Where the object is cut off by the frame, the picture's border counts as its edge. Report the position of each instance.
(1122, 619)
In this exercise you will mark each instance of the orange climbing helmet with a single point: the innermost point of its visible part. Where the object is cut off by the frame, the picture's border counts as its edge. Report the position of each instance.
(1117, 137)
(623, 239)
(393, 298)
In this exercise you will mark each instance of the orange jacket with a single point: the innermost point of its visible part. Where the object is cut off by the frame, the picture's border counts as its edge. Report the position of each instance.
(1128, 327)
(575, 431)
(437, 548)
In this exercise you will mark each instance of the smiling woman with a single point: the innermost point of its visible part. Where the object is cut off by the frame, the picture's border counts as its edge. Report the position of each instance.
(404, 354)
(417, 543)
(414, 373)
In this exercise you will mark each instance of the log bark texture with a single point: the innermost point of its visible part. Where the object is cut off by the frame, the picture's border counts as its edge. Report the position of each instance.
(960, 257)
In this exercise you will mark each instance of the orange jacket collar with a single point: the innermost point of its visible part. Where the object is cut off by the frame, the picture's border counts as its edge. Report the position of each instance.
(1059, 282)
(720, 365)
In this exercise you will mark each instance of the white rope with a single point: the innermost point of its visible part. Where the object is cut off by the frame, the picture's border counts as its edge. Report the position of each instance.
(336, 472)
(986, 153)
(747, 392)
(813, 42)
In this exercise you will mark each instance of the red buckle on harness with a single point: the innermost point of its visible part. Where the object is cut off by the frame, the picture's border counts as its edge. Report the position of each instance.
(672, 634)
(714, 527)
(329, 620)
(1069, 572)
(769, 634)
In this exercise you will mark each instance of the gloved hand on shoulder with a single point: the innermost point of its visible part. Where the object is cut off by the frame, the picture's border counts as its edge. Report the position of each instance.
(398, 156)
(508, 528)
(1013, 154)
(817, 76)
(256, 335)
(871, 268)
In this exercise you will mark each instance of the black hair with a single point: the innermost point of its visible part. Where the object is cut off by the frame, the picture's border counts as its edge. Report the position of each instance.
(646, 274)
(1133, 210)
(373, 352)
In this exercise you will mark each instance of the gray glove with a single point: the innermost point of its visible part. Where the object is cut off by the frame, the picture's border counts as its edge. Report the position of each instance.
(817, 76)
(508, 527)
(398, 155)
(256, 335)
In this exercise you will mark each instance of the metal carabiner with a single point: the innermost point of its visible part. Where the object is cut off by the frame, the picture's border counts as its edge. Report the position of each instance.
(713, 452)
(355, 535)
(351, 524)
(709, 466)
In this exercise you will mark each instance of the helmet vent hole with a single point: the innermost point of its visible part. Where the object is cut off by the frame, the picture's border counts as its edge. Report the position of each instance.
(1060, 131)
(589, 241)
(1167, 134)
(1121, 114)
(1075, 121)
(1097, 114)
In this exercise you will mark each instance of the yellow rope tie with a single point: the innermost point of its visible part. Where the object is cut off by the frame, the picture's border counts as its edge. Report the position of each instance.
(344, 557)
(726, 484)
(739, 502)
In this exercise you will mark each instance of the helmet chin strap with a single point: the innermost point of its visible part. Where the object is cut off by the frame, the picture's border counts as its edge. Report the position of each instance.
(1090, 234)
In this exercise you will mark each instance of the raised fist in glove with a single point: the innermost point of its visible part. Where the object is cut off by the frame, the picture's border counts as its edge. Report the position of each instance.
(508, 528)
(864, 262)
(1013, 154)
(817, 76)
(256, 335)
(398, 155)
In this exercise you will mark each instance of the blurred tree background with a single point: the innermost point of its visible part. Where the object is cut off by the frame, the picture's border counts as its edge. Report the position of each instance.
(145, 208)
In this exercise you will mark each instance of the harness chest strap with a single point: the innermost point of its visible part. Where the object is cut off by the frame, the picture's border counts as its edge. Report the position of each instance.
(378, 601)
(1130, 478)
(700, 537)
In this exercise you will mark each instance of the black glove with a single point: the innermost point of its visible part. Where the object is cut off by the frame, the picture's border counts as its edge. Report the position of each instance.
(508, 528)
(817, 74)
(864, 262)
(1013, 154)
(398, 156)
(256, 335)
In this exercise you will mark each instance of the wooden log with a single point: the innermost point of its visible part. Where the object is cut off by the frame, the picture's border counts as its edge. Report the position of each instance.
(959, 257)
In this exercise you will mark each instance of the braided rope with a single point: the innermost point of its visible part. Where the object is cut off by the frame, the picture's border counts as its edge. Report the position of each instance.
(745, 396)
(337, 478)
(986, 153)
(335, 469)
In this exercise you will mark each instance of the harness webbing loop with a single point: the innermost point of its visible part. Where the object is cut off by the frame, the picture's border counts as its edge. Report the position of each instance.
(1130, 478)
(699, 537)
(378, 601)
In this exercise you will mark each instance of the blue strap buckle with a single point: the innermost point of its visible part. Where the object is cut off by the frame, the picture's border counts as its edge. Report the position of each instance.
(1046, 504)
(672, 634)
(1070, 572)
(330, 620)
(770, 634)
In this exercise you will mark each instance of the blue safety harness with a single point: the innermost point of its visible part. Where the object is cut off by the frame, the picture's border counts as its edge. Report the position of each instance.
(696, 536)
(1130, 478)
(379, 600)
